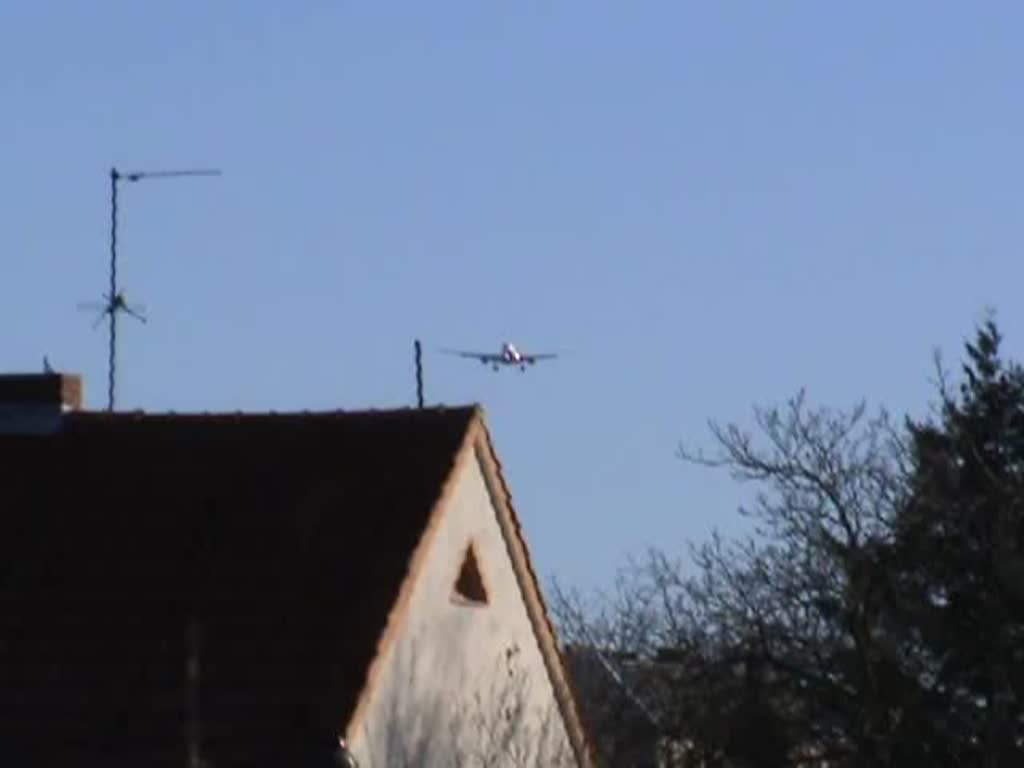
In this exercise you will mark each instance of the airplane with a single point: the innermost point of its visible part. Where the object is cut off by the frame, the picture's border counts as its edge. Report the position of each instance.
(509, 355)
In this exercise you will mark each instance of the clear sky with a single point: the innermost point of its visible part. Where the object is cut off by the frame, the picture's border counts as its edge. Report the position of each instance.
(710, 205)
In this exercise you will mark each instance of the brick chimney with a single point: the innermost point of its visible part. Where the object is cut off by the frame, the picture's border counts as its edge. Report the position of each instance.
(32, 404)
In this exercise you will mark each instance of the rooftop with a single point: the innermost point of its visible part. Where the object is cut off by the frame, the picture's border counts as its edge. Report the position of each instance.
(285, 537)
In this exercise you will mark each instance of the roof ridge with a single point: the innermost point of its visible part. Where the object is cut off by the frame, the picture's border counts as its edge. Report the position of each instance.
(240, 415)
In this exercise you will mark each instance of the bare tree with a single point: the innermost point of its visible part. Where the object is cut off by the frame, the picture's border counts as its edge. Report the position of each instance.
(875, 617)
(771, 650)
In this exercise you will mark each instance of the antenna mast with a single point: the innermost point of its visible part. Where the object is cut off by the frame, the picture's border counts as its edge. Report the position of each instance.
(419, 373)
(115, 302)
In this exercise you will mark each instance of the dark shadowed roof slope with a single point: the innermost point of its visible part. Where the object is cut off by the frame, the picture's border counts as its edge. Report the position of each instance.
(286, 536)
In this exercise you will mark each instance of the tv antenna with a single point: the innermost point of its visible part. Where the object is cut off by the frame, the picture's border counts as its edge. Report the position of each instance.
(418, 348)
(114, 302)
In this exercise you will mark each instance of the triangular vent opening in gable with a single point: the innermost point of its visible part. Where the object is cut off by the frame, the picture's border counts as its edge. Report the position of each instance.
(469, 586)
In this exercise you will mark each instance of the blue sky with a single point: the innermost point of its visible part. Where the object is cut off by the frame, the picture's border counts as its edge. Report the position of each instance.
(711, 205)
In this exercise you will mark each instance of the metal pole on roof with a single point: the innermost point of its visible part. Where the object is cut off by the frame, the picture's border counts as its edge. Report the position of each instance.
(419, 373)
(113, 288)
(115, 301)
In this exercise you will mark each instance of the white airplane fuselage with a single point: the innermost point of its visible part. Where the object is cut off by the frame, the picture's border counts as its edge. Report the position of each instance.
(507, 355)
(510, 354)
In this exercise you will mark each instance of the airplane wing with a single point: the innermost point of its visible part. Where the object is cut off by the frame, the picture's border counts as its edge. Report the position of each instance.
(486, 357)
(532, 358)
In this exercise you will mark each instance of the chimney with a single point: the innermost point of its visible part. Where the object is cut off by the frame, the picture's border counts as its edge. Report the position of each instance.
(34, 404)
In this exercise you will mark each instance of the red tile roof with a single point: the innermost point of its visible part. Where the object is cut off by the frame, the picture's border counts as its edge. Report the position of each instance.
(288, 536)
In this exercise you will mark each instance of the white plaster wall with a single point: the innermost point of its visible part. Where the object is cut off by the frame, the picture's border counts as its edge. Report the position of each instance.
(448, 695)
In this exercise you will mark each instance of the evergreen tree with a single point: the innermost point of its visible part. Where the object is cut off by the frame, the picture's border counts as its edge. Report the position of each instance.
(957, 564)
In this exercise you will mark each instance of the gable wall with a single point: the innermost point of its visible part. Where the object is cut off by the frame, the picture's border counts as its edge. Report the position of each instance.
(462, 684)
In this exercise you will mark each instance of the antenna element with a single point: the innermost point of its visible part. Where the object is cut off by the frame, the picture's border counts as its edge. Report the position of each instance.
(115, 301)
